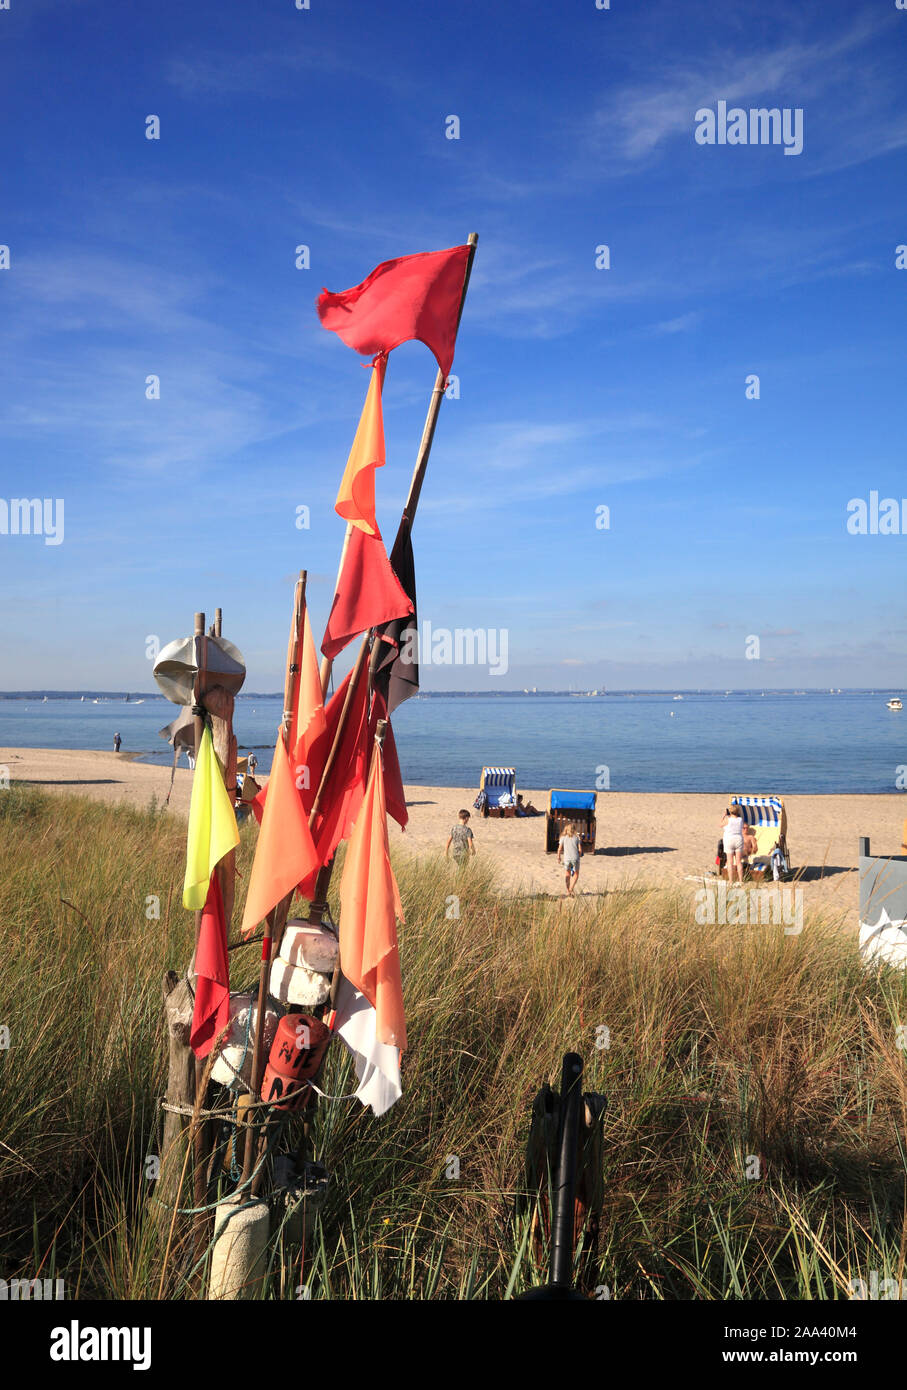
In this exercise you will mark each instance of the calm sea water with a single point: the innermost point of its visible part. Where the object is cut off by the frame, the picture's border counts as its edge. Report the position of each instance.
(653, 743)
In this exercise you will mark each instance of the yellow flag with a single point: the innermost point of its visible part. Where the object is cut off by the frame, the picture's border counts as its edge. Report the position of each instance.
(212, 824)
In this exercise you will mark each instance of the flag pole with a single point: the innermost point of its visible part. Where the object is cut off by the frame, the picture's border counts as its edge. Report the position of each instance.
(322, 883)
(199, 1144)
(273, 923)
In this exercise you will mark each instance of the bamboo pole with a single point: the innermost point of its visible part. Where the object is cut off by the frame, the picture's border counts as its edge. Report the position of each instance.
(290, 690)
(199, 1189)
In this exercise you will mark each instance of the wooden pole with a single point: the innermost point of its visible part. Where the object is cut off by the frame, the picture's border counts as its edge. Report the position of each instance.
(199, 1188)
(290, 691)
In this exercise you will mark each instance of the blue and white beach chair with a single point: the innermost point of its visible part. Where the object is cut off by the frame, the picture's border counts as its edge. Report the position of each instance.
(497, 790)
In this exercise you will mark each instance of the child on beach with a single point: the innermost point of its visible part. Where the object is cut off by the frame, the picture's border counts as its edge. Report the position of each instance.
(569, 852)
(462, 839)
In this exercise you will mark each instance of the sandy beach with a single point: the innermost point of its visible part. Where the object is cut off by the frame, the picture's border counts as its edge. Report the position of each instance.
(644, 839)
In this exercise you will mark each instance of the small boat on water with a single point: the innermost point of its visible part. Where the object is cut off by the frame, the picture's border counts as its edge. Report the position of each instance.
(895, 704)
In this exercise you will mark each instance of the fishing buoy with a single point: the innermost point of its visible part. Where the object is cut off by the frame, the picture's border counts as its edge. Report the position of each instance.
(235, 1054)
(297, 984)
(306, 943)
(238, 1256)
(299, 1045)
(301, 971)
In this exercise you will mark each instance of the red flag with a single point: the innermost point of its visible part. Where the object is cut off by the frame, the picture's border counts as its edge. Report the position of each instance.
(369, 909)
(212, 986)
(410, 297)
(393, 781)
(346, 784)
(368, 593)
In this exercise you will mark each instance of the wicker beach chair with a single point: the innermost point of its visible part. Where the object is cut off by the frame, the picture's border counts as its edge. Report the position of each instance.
(498, 782)
(767, 818)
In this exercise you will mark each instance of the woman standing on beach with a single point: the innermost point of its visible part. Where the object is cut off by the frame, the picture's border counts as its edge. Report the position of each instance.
(733, 840)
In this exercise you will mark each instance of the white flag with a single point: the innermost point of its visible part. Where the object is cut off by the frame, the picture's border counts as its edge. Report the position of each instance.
(377, 1064)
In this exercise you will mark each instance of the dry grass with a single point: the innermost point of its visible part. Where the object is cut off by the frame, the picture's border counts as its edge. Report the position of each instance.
(731, 1050)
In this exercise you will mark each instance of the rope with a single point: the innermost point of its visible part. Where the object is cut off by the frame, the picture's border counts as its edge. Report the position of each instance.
(212, 1206)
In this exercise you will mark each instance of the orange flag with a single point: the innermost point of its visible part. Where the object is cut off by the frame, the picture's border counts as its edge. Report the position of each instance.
(369, 908)
(356, 497)
(285, 853)
(309, 724)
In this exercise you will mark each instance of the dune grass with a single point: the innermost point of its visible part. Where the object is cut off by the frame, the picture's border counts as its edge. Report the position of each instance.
(754, 1137)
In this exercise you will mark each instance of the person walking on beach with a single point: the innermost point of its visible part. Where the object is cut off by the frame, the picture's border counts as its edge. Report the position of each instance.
(462, 839)
(733, 840)
(116, 743)
(569, 852)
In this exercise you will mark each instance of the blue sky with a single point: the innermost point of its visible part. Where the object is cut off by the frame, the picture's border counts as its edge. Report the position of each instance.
(579, 387)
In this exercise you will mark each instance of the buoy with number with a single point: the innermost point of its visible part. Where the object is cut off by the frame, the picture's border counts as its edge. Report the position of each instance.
(296, 1052)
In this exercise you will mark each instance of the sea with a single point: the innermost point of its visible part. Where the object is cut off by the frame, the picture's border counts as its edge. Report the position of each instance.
(719, 742)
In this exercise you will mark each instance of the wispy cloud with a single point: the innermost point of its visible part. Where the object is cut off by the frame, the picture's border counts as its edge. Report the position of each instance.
(640, 118)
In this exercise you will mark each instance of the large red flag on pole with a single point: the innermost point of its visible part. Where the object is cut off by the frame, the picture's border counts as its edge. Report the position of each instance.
(410, 297)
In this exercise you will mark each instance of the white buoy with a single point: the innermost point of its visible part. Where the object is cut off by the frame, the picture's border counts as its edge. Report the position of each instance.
(235, 1055)
(238, 1258)
(301, 972)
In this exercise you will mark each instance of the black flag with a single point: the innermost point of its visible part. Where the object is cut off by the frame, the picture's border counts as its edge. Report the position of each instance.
(396, 673)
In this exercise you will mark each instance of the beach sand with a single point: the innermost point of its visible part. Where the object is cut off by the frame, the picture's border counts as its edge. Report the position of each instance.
(644, 839)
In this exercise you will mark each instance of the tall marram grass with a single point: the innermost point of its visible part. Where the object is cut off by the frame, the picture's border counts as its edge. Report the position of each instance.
(732, 1051)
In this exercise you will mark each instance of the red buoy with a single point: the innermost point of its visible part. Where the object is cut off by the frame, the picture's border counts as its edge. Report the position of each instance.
(296, 1052)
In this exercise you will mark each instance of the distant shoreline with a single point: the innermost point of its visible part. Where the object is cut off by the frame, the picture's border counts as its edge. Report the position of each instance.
(119, 696)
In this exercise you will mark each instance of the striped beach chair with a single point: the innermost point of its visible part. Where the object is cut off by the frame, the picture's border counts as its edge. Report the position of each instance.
(495, 781)
(768, 819)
